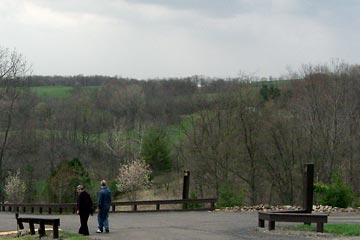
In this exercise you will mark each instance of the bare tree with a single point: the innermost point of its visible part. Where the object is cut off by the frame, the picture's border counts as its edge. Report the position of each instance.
(325, 106)
(13, 68)
(222, 144)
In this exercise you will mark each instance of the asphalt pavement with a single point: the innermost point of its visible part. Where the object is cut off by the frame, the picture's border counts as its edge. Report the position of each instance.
(217, 225)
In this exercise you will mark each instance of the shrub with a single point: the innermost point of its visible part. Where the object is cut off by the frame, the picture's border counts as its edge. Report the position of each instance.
(113, 188)
(337, 194)
(15, 188)
(229, 198)
(41, 191)
(356, 202)
(193, 205)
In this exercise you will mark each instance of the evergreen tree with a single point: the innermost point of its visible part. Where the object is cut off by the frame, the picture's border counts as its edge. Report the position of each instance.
(156, 150)
(65, 178)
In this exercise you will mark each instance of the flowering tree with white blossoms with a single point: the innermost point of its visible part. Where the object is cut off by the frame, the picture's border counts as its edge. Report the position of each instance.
(133, 176)
(15, 188)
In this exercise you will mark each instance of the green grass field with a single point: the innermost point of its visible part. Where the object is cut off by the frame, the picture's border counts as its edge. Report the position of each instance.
(339, 229)
(56, 91)
(53, 91)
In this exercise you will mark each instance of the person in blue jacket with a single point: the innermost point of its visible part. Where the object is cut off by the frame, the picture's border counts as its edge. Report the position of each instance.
(104, 201)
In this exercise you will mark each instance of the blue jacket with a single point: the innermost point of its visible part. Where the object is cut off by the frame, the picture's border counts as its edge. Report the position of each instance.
(104, 198)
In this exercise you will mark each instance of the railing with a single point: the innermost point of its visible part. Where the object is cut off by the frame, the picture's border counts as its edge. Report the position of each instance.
(38, 208)
(128, 206)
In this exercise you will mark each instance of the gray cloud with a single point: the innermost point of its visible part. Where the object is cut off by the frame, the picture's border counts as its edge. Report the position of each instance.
(158, 38)
(221, 8)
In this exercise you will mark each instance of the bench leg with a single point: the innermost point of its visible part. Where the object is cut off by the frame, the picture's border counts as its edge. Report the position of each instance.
(32, 229)
(271, 225)
(56, 230)
(20, 224)
(261, 223)
(320, 227)
(41, 229)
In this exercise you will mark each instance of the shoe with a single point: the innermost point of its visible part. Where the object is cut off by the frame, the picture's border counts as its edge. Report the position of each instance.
(98, 231)
(107, 231)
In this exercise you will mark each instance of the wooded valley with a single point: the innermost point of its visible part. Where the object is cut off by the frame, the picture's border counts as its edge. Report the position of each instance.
(244, 138)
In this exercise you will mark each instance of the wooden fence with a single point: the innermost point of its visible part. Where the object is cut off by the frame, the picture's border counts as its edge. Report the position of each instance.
(128, 206)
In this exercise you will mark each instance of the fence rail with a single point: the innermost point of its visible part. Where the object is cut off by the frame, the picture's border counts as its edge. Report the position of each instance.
(128, 206)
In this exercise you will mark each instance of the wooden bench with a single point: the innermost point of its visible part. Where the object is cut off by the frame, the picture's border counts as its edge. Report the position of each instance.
(54, 222)
(306, 218)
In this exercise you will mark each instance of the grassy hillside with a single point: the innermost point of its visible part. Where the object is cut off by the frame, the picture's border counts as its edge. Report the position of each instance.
(56, 91)
(53, 91)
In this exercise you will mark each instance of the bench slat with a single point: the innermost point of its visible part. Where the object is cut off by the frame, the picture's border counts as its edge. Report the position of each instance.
(46, 221)
(294, 217)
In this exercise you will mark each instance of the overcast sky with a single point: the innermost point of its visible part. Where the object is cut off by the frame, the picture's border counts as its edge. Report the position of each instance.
(176, 38)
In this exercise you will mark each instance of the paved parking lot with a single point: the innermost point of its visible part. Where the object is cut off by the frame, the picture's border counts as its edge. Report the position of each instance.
(180, 226)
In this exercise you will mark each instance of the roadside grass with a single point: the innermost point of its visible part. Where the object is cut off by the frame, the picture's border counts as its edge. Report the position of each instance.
(339, 229)
(62, 235)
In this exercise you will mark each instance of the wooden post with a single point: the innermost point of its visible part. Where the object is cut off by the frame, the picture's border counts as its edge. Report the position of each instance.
(309, 187)
(212, 205)
(186, 185)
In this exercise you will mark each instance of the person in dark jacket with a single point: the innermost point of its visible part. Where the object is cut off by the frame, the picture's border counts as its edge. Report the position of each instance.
(104, 201)
(84, 209)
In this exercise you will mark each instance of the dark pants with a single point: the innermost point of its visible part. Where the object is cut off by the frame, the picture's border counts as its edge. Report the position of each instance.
(84, 230)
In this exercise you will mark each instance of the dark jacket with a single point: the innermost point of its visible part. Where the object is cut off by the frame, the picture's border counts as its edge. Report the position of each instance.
(84, 203)
(104, 199)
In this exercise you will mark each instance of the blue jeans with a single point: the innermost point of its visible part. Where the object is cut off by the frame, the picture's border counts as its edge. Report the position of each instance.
(103, 219)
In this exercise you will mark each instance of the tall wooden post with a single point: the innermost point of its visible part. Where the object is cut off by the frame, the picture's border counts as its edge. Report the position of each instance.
(186, 186)
(309, 187)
